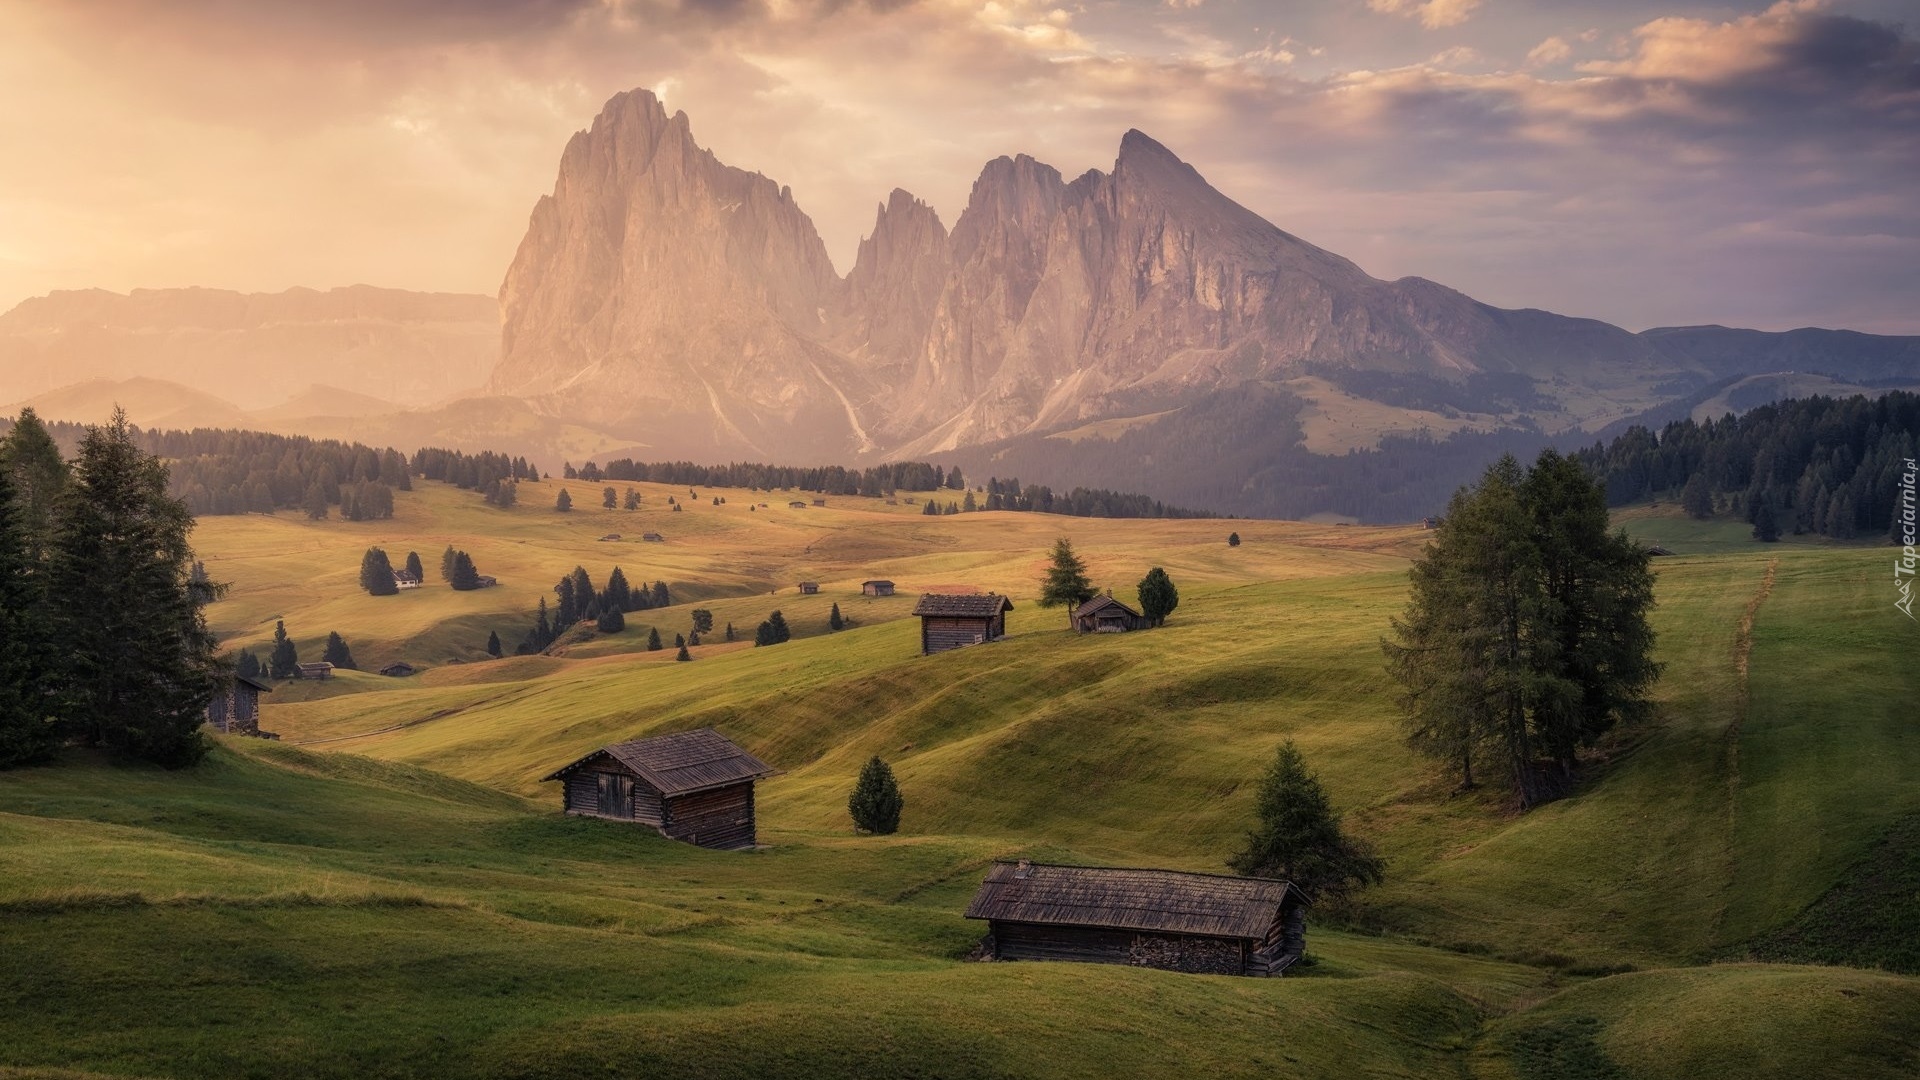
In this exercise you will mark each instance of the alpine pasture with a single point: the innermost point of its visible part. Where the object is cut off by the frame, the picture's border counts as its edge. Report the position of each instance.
(391, 890)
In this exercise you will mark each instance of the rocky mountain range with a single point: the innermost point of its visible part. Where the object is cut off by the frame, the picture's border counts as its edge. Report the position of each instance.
(690, 306)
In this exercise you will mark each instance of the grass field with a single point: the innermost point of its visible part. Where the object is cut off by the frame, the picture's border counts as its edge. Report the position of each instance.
(391, 892)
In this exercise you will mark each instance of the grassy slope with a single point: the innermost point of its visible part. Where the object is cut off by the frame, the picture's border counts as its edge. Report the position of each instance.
(549, 941)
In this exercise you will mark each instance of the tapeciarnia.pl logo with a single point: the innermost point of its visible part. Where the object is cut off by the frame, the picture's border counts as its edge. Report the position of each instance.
(1903, 566)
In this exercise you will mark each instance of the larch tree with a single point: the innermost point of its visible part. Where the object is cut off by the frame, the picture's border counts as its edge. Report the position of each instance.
(28, 731)
(337, 653)
(376, 573)
(1066, 581)
(283, 659)
(1297, 836)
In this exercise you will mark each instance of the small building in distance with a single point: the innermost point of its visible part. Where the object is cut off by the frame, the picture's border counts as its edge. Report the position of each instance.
(486, 581)
(692, 786)
(1430, 523)
(876, 588)
(610, 538)
(1201, 923)
(653, 538)
(808, 588)
(796, 505)
(403, 579)
(819, 502)
(1105, 615)
(398, 670)
(235, 709)
(318, 669)
(949, 621)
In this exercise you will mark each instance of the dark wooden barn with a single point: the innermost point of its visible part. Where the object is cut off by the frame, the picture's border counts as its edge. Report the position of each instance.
(809, 587)
(876, 588)
(1105, 615)
(235, 710)
(693, 786)
(318, 669)
(1202, 923)
(398, 670)
(950, 621)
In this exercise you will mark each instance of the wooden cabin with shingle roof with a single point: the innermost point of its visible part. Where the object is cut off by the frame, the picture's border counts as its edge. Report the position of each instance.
(953, 621)
(692, 786)
(1105, 615)
(1200, 923)
(235, 710)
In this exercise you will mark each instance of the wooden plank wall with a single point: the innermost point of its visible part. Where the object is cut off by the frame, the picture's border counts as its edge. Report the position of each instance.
(720, 818)
(583, 796)
(939, 635)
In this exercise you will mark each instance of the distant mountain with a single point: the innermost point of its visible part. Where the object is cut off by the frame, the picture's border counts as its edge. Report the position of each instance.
(150, 403)
(664, 296)
(253, 349)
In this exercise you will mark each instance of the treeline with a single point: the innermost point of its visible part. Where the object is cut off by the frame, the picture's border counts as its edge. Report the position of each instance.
(825, 479)
(1080, 502)
(1828, 466)
(102, 637)
(217, 471)
(496, 477)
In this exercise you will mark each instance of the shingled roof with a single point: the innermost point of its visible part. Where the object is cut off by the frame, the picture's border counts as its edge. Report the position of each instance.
(963, 606)
(1099, 602)
(681, 763)
(1166, 901)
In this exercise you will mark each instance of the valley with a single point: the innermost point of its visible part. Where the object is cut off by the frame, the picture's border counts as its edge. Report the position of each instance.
(390, 889)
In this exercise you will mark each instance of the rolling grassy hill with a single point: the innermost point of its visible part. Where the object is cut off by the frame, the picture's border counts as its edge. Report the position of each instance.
(396, 895)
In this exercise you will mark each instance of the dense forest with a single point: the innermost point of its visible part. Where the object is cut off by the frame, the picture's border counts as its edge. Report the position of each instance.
(1817, 465)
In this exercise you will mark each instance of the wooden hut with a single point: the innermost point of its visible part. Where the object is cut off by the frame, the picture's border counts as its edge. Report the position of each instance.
(318, 669)
(398, 670)
(235, 710)
(950, 621)
(1105, 615)
(1203, 923)
(403, 579)
(653, 538)
(876, 588)
(808, 588)
(796, 505)
(692, 786)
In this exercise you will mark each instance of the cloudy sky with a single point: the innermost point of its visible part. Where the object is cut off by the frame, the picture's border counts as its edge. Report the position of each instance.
(1649, 162)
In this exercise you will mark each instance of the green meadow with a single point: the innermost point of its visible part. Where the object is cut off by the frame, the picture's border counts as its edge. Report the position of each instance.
(390, 890)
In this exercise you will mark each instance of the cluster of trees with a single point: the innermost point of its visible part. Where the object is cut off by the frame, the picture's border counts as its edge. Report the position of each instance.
(578, 600)
(214, 472)
(773, 631)
(456, 569)
(1819, 465)
(825, 479)
(283, 658)
(1066, 584)
(132, 674)
(1525, 638)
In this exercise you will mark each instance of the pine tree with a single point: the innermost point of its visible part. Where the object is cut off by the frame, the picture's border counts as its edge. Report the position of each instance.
(611, 621)
(876, 803)
(1158, 597)
(1765, 528)
(337, 653)
(702, 621)
(418, 571)
(781, 633)
(834, 621)
(247, 665)
(1233, 539)
(930, 509)
(315, 502)
(284, 660)
(39, 479)
(764, 635)
(618, 594)
(466, 576)
(653, 640)
(493, 644)
(563, 502)
(730, 634)
(376, 573)
(1697, 497)
(683, 654)
(446, 564)
(967, 505)
(1066, 581)
(632, 501)
(679, 641)
(140, 670)
(661, 598)
(609, 498)
(1297, 837)
(27, 724)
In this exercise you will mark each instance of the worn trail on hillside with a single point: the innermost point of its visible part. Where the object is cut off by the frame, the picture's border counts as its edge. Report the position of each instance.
(1742, 659)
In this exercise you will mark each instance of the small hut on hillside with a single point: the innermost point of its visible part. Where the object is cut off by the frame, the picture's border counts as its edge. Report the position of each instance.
(235, 710)
(876, 588)
(318, 669)
(398, 670)
(1201, 923)
(808, 588)
(950, 621)
(403, 579)
(692, 786)
(1105, 615)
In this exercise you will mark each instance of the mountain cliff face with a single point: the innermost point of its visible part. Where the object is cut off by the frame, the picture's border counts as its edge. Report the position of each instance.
(253, 349)
(690, 306)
